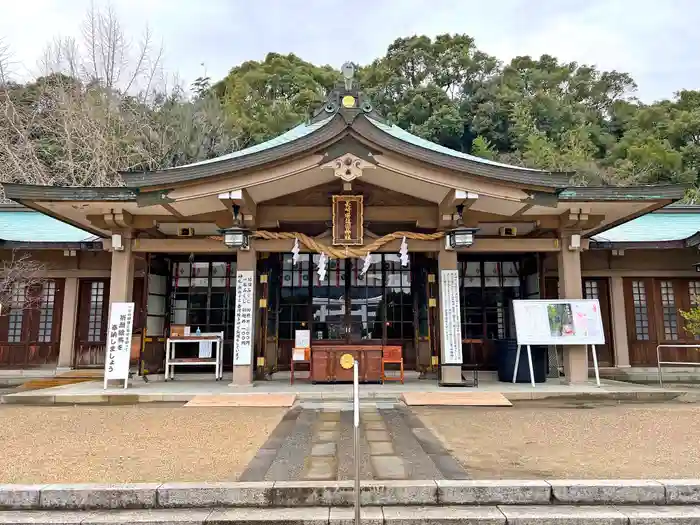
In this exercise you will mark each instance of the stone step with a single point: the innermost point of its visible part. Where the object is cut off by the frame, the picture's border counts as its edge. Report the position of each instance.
(552, 493)
(445, 515)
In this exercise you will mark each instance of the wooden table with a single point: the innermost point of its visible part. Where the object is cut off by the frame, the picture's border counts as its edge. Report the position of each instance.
(325, 359)
(215, 360)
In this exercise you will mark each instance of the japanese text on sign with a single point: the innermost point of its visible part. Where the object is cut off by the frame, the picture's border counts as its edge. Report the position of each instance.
(243, 334)
(451, 318)
(121, 322)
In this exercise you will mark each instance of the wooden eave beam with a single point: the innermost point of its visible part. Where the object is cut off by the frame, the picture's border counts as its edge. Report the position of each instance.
(242, 199)
(447, 211)
(485, 245)
(121, 220)
(578, 219)
(271, 216)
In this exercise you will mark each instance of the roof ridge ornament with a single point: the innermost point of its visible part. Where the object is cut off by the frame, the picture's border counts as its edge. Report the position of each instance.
(348, 71)
(346, 98)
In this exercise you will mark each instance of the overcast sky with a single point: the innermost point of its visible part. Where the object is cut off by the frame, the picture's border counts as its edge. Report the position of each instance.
(656, 41)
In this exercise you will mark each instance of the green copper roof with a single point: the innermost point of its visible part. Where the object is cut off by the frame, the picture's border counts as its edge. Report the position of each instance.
(32, 226)
(300, 138)
(295, 133)
(654, 227)
(405, 136)
(623, 193)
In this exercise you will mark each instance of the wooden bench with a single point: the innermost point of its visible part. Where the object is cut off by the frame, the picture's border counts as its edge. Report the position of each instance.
(392, 355)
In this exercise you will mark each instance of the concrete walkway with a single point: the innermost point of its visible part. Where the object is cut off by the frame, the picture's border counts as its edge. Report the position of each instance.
(317, 445)
(185, 388)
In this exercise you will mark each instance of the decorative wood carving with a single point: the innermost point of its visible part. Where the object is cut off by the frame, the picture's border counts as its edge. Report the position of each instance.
(348, 167)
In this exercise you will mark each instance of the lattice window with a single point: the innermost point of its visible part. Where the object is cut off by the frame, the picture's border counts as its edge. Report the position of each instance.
(641, 311)
(97, 294)
(668, 303)
(48, 297)
(296, 298)
(398, 299)
(591, 290)
(487, 289)
(17, 303)
(694, 291)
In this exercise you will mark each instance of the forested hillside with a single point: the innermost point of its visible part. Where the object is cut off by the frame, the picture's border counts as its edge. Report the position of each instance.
(92, 114)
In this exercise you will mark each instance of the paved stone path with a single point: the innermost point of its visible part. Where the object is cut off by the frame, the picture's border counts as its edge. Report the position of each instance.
(317, 444)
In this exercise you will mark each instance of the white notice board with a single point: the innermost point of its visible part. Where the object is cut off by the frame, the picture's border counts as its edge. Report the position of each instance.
(558, 322)
(302, 338)
(121, 322)
(243, 330)
(451, 318)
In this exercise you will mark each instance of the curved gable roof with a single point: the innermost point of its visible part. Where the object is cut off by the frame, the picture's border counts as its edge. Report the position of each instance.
(401, 141)
(405, 136)
(298, 139)
(308, 137)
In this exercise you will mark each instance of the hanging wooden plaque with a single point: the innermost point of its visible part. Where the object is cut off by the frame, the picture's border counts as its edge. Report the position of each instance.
(348, 225)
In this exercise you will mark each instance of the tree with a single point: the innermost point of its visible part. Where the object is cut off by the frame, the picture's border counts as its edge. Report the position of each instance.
(481, 147)
(20, 276)
(267, 98)
(103, 106)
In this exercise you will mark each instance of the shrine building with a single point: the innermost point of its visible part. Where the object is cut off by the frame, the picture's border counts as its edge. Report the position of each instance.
(356, 231)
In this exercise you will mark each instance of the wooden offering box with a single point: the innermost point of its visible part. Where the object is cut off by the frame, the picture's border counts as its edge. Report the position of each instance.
(326, 363)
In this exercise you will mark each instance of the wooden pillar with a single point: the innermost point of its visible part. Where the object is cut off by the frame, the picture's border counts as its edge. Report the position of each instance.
(69, 323)
(121, 284)
(447, 260)
(243, 373)
(571, 287)
(619, 323)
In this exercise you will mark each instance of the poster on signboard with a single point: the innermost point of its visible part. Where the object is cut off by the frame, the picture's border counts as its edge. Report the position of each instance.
(302, 338)
(244, 320)
(558, 322)
(451, 318)
(121, 322)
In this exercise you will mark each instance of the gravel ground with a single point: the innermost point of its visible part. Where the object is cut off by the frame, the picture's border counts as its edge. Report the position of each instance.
(129, 443)
(545, 441)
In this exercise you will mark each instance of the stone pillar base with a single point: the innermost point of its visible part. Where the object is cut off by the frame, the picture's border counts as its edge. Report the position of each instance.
(451, 375)
(576, 364)
(242, 375)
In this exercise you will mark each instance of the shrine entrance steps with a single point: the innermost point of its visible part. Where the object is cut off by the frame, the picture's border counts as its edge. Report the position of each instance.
(316, 444)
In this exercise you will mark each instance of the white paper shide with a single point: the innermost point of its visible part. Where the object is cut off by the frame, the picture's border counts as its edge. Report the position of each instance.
(243, 334)
(121, 322)
(451, 319)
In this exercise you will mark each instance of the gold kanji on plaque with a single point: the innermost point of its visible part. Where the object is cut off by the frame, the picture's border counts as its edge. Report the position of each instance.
(348, 225)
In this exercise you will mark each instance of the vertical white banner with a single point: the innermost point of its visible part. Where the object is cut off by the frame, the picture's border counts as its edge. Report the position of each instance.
(121, 322)
(451, 317)
(243, 332)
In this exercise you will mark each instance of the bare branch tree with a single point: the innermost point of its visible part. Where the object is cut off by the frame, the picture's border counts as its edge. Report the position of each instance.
(5, 62)
(20, 278)
(101, 106)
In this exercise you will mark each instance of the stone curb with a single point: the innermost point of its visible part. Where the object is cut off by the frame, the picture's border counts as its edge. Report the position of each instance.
(393, 515)
(283, 494)
(33, 398)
